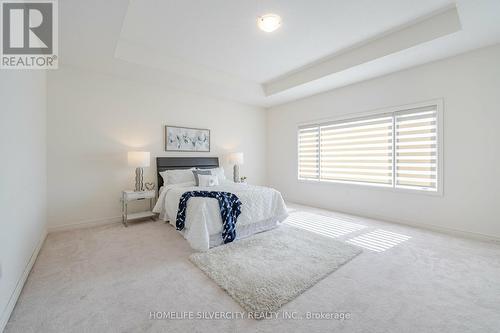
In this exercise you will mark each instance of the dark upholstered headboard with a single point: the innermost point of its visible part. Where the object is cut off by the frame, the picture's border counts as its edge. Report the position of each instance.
(171, 163)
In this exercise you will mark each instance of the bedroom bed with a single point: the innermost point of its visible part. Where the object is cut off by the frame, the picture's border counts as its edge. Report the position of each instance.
(262, 208)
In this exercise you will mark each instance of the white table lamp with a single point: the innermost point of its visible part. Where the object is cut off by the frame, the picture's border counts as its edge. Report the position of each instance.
(139, 160)
(236, 159)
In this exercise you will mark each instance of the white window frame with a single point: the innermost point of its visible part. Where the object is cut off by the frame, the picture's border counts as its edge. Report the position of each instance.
(439, 141)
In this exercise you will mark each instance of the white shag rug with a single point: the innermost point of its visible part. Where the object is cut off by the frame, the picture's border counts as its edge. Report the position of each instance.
(268, 270)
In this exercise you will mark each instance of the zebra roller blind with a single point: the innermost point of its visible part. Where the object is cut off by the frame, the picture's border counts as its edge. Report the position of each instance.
(309, 152)
(396, 149)
(359, 150)
(416, 148)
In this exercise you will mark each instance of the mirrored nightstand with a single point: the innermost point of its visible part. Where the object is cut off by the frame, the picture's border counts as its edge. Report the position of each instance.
(128, 196)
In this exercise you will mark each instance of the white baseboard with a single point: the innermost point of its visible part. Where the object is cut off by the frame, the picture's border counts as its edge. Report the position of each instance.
(431, 227)
(445, 230)
(85, 224)
(20, 284)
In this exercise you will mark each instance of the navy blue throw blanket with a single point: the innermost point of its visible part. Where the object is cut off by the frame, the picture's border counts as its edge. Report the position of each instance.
(230, 209)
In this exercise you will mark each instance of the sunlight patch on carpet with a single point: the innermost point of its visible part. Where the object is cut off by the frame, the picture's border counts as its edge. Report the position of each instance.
(378, 240)
(323, 225)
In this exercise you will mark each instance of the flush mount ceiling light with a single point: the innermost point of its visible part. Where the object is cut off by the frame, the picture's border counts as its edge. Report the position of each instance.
(269, 22)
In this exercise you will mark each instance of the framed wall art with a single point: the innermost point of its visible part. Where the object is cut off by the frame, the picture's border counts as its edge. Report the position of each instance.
(187, 139)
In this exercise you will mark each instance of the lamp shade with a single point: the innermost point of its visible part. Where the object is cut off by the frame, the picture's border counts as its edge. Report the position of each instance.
(138, 159)
(235, 158)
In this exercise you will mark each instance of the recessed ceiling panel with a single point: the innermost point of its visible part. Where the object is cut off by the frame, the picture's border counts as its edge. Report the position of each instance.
(223, 34)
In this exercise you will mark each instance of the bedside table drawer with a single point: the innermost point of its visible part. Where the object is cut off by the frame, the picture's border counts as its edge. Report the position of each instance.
(131, 195)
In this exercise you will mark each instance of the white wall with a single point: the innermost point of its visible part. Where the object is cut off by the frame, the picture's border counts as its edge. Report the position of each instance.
(94, 119)
(23, 178)
(470, 87)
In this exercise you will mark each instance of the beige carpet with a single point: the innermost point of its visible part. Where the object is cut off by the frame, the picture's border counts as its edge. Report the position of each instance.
(109, 279)
(267, 270)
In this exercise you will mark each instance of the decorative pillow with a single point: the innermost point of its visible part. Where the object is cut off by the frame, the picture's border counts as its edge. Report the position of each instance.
(219, 172)
(200, 172)
(208, 180)
(164, 176)
(177, 176)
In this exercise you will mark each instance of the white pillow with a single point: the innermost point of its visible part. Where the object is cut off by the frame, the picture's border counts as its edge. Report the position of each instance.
(177, 176)
(219, 172)
(208, 180)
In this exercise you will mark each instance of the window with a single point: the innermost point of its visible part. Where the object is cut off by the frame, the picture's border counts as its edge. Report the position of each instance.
(309, 152)
(416, 148)
(397, 149)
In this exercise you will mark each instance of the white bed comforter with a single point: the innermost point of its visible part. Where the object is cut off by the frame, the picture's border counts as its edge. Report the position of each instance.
(203, 215)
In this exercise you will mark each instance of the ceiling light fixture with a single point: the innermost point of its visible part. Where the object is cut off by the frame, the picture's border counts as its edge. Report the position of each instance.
(269, 22)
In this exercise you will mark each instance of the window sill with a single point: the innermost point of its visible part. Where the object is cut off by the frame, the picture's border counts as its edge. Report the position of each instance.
(389, 188)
